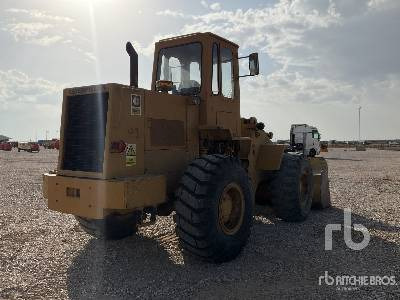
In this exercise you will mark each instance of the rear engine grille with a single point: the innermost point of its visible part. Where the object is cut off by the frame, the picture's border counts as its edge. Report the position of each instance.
(84, 132)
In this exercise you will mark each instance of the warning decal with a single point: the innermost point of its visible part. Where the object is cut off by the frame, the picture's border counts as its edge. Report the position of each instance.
(130, 155)
(136, 105)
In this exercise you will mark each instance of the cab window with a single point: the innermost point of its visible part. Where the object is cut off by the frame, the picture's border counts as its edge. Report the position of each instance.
(316, 135)
(182, 66)
(215, 70)
(227, 73)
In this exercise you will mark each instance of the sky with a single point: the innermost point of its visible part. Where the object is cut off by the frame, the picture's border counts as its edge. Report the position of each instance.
(320, 60)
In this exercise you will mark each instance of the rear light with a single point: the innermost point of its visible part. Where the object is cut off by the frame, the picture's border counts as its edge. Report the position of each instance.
(118, 147)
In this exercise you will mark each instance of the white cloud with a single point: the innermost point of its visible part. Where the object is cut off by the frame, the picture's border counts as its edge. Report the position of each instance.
(38, 14)
(336, 53)
(29, 106)
(215, 6)
(37, 27)
(149, 49)
(28, 32)
(17, 89)
(382, 4)
(170, 13)
(320, 51)
(90, 57)
(47, 40)
(41, 28)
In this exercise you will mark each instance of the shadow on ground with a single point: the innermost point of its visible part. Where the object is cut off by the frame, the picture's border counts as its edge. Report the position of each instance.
(281, 260)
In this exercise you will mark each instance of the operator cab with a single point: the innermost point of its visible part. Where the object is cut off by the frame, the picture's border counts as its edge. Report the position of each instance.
(204, 67)
(178, 64)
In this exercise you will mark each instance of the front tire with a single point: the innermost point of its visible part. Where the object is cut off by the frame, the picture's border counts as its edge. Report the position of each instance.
(292, 189)
(112, 227)
(214, 208)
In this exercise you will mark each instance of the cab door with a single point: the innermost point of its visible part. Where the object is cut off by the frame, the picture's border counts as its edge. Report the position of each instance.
(225, 98)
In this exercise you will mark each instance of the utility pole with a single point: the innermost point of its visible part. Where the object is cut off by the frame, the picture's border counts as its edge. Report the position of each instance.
(359, 124)
(46, 134)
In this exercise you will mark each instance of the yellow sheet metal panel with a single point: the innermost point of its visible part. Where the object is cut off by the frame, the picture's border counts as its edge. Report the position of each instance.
(83, 197)
(318, 164)
(45, 185)
(245, 147)
(321, 193)
(145, 191)
(270, 157)
(125, 123)
(171, 163)
(91, 198)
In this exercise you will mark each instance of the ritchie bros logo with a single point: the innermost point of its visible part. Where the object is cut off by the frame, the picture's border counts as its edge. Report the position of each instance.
(353, 282)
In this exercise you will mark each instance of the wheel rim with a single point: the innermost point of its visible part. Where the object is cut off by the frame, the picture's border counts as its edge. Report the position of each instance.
(231, 209)
(304, 188)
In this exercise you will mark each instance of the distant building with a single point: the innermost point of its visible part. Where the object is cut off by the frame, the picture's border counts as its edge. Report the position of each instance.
(3, 138)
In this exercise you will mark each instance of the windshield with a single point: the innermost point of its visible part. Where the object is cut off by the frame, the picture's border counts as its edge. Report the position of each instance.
(316, 135)
(182, 66)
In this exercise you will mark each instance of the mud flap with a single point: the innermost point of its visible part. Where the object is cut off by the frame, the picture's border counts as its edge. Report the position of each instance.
(321, 194)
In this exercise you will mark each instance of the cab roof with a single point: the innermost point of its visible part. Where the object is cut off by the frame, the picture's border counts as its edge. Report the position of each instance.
(198, 34)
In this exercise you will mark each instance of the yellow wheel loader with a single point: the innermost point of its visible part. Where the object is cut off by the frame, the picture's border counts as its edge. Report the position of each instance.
(128, 154)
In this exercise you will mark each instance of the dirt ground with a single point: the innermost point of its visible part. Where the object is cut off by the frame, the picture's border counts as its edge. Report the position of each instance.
(44, 254)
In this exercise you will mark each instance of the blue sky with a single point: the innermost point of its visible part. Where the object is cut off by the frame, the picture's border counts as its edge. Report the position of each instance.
(320, 60)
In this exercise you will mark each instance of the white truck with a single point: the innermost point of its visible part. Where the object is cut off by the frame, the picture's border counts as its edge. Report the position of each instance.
(305, 138)
(28, 146)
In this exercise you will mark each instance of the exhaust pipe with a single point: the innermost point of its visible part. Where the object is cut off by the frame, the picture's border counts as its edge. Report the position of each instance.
(133, 64)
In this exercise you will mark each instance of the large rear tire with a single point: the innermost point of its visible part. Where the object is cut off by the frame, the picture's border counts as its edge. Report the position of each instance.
(214, 208)
(292, 189)
(112, 227)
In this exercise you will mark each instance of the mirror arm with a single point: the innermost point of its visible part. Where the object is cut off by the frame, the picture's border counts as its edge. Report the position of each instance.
(240, 76)
(228, 60)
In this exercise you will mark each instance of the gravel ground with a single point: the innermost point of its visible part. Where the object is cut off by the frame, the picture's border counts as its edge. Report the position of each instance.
(44, 254)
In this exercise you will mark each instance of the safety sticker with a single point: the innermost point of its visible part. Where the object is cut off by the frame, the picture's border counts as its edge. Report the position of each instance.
(136, 105)
(130, 155)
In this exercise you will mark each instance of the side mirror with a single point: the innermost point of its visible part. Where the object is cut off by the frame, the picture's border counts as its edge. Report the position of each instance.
(254, 68)
(253, 64)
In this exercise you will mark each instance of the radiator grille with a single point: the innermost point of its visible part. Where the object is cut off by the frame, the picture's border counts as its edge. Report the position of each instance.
(84, 132)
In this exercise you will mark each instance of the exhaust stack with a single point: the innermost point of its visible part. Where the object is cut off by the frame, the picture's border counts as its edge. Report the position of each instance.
(133, 64)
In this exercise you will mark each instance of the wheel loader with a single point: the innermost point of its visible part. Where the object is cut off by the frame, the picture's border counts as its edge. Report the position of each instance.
(128, 154)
